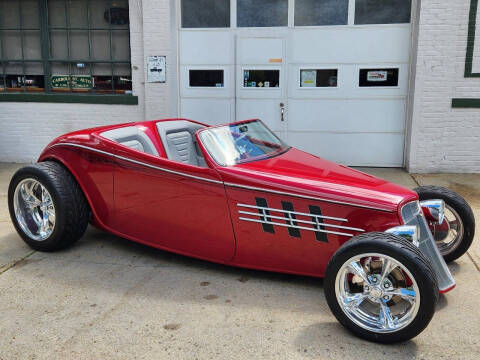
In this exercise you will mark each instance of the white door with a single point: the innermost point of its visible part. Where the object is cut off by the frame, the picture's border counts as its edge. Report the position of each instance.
(330, 77)
(261, 81)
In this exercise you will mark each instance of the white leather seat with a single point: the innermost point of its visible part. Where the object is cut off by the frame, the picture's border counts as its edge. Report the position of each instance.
(178, 138)
(132, 137)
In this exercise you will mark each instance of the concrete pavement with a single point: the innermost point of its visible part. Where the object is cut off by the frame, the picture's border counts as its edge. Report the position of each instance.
(109, 298)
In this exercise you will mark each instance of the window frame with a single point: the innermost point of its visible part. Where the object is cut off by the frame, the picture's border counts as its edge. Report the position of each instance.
(314, 67)
(380, 67)
(47, 61)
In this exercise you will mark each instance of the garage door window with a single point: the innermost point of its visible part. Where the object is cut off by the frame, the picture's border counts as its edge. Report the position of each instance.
(265, 13)
(206, 78)
(318, 78)
(321, 12)
(205, 13)
(382, 11)
(378, 77)
(261, 78)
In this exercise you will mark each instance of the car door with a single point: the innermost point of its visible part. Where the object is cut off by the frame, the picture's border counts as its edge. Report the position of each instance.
(172, 205)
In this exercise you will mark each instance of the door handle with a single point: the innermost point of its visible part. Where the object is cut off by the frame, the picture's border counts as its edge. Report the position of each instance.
(282, 111)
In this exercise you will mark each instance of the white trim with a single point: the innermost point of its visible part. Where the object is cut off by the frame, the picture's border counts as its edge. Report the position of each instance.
(295, 226)
(139, 162)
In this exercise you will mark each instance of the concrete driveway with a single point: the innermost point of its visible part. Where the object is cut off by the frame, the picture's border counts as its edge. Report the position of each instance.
(109, 298)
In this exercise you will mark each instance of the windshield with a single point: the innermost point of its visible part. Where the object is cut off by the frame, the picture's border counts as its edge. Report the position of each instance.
(241, 143)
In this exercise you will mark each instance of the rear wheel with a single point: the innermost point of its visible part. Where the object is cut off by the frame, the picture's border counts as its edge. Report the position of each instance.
(47, 206)
(455, 234)
(381, 287)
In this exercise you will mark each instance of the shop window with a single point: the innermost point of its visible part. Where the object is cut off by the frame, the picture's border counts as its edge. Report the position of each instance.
(65, 46)
(378, 77)
(315, 78)
(205, 13)
(321, 12)
(382, 11)
(261, 78)
(206, 78)
(265, 13)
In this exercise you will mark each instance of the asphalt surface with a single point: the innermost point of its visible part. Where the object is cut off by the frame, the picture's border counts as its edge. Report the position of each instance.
(109, 298)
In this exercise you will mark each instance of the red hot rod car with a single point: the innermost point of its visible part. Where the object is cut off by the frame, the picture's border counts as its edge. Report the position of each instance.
(237, 195)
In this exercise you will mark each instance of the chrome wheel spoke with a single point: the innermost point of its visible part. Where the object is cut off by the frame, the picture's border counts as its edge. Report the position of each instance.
(385, 318)
(354, 300)
(387, 268)
(405, 294)
(357, 268)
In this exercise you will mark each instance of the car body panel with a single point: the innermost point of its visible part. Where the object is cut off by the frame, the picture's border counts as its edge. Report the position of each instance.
(194, 210)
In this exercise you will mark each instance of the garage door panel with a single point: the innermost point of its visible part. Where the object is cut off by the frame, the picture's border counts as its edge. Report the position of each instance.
(265, 109)
(351, 45)
(359, 115)
(206, 47)
(209, 111)
(352, 149)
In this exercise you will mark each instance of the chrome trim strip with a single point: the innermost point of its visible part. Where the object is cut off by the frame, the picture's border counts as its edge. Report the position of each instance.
(301, 221)
(305, 196)
(139, 162)
(295, 226)
(293, 212)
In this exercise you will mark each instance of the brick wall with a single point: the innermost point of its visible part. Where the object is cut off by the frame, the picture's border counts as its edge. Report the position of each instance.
(443, 139)
(26, 128)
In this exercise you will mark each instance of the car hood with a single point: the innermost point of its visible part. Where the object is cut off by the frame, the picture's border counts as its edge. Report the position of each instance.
(303, 174)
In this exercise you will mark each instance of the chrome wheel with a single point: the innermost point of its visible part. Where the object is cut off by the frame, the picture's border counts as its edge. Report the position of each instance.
(449, 234)
(377, 292)
(34, 209)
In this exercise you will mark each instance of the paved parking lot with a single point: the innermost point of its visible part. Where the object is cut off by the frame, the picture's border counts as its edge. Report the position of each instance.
(109, 298)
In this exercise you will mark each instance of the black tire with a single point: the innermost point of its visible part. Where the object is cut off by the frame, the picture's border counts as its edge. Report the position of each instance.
(409, 256)
(71, 208)
(464, 210)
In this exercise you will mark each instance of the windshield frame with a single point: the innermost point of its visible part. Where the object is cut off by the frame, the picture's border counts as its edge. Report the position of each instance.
(214, 160)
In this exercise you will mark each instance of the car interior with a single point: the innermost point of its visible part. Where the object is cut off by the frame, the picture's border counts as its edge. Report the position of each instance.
(177, 137)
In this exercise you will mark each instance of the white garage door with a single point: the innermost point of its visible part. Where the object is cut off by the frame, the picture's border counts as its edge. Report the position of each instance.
(329, 76)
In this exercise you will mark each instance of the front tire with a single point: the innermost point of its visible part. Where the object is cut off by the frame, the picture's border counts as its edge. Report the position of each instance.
(455, 235)
(47, 206)
(381, 288)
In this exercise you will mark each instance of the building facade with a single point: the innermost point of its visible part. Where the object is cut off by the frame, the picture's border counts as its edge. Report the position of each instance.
(361, 82)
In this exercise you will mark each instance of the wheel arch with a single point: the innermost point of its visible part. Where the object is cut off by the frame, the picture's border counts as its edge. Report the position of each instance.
(95, 220)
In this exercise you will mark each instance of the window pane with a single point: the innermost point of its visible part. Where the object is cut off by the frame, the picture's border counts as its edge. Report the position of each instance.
(78, 44)
(58, 44)
(120, 45)
(378, 77)
(318, 77)
(30, 15)
(9, 14)
(11, 45)
(100, 44)
(261, 78)
(205, 13)
(97, 11)
(31, 45)
(321, 12)
(77, 11)
(382, 11)
(254, 13)
(56, 13)
(206, 78)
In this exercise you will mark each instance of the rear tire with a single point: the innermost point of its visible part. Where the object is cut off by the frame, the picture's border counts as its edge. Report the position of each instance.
(409, 288)
(47, 206)
(462, 209)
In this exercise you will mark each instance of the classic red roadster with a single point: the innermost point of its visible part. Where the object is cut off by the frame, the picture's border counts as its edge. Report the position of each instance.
(236, 194)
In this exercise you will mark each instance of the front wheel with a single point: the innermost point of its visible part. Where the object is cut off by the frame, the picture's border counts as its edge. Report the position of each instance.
(381, 287)
(47, 206)
(455, 234)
